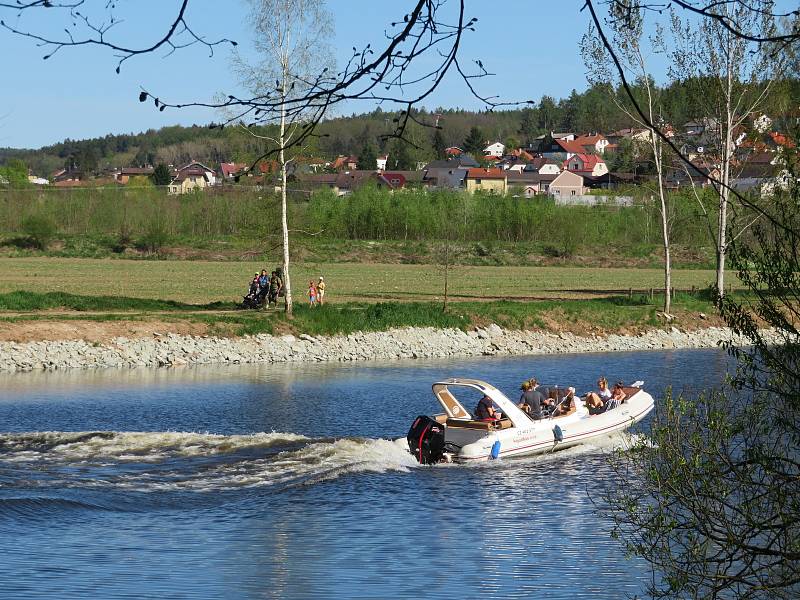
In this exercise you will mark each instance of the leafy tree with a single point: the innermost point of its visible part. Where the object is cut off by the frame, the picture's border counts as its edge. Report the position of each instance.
(711, 499)
(291, 39)
(400, 156)
(368, 156)
(161, 175)
(528, 125)
(475, 142)
(438, 144)
(15, 173)
(548, 114)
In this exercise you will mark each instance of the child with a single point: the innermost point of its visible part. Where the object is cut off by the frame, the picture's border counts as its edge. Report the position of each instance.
(312, 293)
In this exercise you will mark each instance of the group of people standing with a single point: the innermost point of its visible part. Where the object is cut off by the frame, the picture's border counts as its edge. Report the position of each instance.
(266, 288)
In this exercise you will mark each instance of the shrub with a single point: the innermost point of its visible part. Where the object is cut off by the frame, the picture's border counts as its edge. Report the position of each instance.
(155, 238)
(39, 229)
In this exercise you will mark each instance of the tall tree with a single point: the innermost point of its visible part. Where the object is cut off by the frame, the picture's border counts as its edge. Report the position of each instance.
(711, 498)
(368, 156)
(291, 37)
(628, 29)
(161, 175)
(475, 142)
(438, 144)
(733, 76)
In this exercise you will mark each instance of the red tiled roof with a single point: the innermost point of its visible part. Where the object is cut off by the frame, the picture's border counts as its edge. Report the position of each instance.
(586, 140)
(231, 169)
(573, 147)
(589, 162)
(781, 139)
(486, 174)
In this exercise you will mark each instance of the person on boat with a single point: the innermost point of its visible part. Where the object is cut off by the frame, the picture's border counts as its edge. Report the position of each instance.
(532, 399)
(596, 401)
(566, 404)
(485, 410)
(618, 395)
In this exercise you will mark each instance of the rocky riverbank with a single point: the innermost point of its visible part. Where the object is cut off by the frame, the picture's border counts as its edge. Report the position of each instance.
(178, 350)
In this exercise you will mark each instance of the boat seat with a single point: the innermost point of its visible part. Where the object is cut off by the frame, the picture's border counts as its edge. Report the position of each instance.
(482, 425)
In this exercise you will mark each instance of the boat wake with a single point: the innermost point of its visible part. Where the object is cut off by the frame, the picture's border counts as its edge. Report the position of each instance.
(163, 461)
(33, 465)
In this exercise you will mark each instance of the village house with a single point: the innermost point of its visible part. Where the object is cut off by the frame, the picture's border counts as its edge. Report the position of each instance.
(528, 183)
(586, 165)
(231, 170)
(496, 149)
(344, 163)
(592, 143)
(490, 180)
(453, 151)
(380, 162)
(567, 183)
(562, 150)
(124, 175)
(194, 176)
(628, 133)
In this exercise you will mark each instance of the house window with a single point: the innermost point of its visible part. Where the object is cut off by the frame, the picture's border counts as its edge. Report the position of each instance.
(395, 181)
(573, 192)
(477, 182)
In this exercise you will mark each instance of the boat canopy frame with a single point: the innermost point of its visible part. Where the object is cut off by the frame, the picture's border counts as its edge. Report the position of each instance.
(454, 409)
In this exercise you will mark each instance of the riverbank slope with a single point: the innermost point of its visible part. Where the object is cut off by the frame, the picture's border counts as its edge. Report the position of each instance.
(413, 342)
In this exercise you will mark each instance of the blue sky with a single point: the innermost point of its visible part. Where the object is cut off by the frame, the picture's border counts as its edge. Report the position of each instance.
(531, 45)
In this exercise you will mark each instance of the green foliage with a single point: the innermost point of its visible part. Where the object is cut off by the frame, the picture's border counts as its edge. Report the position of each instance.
(155, 238)
(161, 175)
(367, 156)
(438, 144)
(474, 142)
(14, 174)
(32, 301)
(39, 229)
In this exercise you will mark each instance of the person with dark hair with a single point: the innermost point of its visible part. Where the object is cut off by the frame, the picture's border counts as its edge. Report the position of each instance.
(532, 399)
(485, 410)
(275, 285)
(263, 285)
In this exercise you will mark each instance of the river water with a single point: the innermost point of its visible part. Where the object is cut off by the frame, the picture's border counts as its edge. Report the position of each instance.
(285, 482)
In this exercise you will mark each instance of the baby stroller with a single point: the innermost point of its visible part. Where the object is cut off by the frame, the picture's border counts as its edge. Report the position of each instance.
(254, 299)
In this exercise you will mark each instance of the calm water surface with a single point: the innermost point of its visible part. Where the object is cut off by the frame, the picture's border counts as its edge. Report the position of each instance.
(285, 482)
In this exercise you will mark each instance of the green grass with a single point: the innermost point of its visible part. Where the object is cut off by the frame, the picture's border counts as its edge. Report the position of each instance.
(601, 315)
(205, 282)
(34, 301)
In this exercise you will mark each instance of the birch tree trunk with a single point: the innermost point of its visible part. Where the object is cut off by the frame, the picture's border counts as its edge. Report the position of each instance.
(287, 283)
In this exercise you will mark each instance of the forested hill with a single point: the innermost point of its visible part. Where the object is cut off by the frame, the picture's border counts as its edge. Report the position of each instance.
(592, 110)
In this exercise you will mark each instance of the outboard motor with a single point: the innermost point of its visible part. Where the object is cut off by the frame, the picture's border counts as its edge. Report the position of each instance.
(426, 440)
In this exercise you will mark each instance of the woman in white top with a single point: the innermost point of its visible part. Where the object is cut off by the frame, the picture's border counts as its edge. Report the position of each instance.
(596, 401)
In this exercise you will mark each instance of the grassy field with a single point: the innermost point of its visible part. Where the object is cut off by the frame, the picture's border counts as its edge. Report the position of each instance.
(202, 282)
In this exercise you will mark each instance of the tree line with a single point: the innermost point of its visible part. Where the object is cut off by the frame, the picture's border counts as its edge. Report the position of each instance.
(598, 108)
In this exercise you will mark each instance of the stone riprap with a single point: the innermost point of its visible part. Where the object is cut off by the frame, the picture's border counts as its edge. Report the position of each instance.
(175, 350)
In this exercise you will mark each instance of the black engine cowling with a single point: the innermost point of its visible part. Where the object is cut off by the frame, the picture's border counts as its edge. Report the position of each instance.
(426, 440)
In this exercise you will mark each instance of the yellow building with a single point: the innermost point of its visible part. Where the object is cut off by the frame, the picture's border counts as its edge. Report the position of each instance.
(492, 181)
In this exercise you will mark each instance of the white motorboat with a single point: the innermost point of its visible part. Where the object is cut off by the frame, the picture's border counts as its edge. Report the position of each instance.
(457, 436)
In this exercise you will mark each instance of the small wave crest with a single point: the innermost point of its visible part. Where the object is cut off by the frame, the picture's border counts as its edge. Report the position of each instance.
(36, 507)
